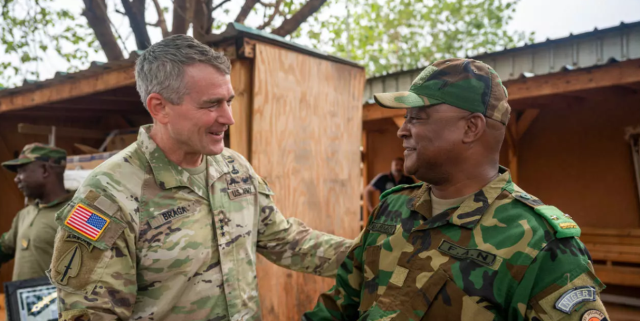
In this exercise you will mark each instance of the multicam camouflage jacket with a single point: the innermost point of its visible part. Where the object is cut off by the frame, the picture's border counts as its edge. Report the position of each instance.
(141, 241)
(501, 255)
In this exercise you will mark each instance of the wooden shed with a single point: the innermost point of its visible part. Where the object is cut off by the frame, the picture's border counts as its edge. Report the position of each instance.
(570, 141)
(298, 117)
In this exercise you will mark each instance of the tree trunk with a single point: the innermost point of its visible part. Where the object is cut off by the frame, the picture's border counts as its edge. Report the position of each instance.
(292, 24)
(162, 23)
(246, 10)
(182, 16)
(202, 19)
(96, 13)
(135, 11)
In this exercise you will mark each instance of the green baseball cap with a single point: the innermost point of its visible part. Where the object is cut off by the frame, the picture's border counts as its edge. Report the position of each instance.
(37, 152)
(463, 83)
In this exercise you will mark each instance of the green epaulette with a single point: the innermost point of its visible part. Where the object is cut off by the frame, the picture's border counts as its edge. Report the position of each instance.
(562, 223)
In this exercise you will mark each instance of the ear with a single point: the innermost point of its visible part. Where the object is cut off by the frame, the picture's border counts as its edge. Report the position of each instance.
(158, 108)
(474, 128)
(46, 170)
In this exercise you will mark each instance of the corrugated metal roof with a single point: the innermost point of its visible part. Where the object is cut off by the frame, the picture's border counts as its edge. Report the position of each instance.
(234, 30)
(589, 49)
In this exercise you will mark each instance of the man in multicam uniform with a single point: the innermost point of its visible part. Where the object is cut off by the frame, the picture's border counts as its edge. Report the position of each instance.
(469, 244)
(168, 229)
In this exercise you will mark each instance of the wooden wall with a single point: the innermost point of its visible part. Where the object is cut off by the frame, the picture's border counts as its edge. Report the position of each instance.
(576, 158)
(307, 124)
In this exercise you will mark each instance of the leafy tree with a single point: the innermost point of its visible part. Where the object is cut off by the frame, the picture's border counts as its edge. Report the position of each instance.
(393, 35)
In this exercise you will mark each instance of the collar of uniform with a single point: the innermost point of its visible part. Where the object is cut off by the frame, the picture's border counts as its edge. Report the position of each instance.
(167, 173)
(64, 198)
(471, 210)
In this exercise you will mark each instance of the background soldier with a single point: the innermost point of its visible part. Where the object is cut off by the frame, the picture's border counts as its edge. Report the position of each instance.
(40, 176)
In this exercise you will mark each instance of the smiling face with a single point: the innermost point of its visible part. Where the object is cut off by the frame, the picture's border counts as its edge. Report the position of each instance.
(198, 124)
(30, 179)
(433, 139)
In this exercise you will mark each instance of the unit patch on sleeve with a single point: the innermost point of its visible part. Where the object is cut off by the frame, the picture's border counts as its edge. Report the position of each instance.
(87, 222)
(575, 296)
(594, 315)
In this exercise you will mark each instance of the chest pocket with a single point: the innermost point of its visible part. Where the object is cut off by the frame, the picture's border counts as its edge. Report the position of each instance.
(415, 293)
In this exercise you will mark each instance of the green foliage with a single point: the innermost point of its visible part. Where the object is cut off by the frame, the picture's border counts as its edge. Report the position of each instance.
(31, 31)
(391, 35)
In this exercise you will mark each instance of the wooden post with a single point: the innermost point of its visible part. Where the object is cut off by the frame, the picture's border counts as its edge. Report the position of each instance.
(365, 181)
(511, 137)
(240, 132)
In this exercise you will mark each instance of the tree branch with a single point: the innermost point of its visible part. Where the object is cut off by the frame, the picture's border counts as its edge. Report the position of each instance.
(182, 16)
(135, 11)
(162, 23)
(267, 5)
(276, 11)
(202, 19)
(292, 24)
(219, 5)
(246, 10)
(96, 13)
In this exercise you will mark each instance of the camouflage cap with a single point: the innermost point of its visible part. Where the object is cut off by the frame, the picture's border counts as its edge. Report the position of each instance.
(37, 152)
(464, 83)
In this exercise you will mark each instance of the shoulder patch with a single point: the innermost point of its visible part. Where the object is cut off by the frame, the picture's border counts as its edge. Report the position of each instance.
(562, 223)
(399, 188)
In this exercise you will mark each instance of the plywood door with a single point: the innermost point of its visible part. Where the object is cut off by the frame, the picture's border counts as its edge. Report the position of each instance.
(307, 126)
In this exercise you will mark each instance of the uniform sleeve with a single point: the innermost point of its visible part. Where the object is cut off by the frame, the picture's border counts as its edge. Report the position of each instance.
(8, 241)
(95, 278)
(342, 301)
(560, 285)
(291, 244)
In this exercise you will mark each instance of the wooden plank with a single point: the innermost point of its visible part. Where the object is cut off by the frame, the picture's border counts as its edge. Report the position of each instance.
(586, 230)
(615, 74)
(528, 116)
(373, 112)
(605, 239)
(66, 89)
(615, 256)
(307, 127)
(365, 180)
(240, 132)
(511, 140)
(399, 121)
(61, 131)
(618, 275)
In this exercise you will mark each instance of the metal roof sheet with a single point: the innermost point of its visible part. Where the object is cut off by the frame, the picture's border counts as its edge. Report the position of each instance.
(589, 49)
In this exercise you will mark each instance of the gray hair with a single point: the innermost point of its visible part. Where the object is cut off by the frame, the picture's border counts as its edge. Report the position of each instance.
(160, 68)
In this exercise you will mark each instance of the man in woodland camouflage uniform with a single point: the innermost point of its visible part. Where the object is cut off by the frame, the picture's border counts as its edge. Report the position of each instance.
(468, 244)
(168, 229)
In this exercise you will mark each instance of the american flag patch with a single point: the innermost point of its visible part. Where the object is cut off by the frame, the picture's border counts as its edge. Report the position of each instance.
(87, 222)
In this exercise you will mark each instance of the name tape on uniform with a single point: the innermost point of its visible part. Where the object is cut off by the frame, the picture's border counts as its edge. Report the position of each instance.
(479, 256)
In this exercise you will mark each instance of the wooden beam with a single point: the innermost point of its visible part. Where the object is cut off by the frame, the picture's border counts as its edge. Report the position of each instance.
(373, 112)
(67, 89)
(365, 175)
(61, 131)
(525, 121)
(240, 132)
(615, 74)
(399, 121)
(511, 138)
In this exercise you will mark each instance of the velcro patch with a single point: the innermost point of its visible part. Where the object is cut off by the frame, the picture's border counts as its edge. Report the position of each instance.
(382, 228)
(575, 296)
(87, 222)
(241, 192)
(169, 215)
(70, 264)
(479, 256)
